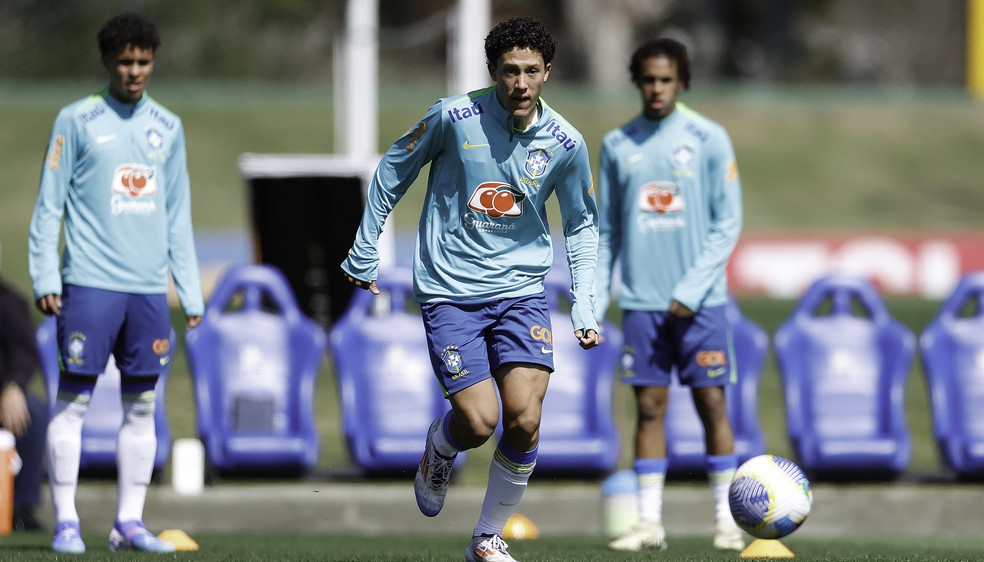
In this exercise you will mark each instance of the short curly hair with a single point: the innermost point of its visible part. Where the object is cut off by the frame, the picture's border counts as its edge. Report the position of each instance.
(522, 33)
(673, 50)
(127, 29)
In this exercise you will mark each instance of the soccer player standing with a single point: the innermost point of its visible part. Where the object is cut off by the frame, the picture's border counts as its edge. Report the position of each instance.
(483, 250)
(670, 201)
(116, 172)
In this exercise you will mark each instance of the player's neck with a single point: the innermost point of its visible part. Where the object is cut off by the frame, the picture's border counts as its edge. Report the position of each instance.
(533, 121)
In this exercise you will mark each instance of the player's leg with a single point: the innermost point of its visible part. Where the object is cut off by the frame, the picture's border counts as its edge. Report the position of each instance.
(87, 327)
(522, 368)
(455, 337)
(648, 364)
(31, 448)
(142, 351)
(707, 364)
(522, 387)
(64, 452)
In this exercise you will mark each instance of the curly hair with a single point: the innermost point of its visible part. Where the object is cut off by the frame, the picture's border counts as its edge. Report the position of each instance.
(673, 50)
(522, 33)
(127, 29)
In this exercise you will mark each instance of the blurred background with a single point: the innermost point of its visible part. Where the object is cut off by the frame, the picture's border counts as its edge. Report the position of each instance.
(857, 125)
(906, 43)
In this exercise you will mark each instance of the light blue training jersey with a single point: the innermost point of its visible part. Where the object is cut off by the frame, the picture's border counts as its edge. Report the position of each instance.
(483, 231)
(671, 213)
(117, 174)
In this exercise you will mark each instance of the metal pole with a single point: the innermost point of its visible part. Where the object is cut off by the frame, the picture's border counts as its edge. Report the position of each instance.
(468, 26)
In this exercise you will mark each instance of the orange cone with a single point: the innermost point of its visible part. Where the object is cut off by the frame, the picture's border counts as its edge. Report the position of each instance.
(179, 539)
(520, 526)
(766, 548)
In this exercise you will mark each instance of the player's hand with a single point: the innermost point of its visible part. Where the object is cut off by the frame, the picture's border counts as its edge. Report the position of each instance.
(193, 321)
(589, 339)
(679, 310)
(14, 414)
(50, 304)
(370, 285)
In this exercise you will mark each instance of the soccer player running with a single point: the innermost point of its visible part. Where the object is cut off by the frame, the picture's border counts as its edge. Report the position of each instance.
(483, 250)
(116, 173)
(670, 201)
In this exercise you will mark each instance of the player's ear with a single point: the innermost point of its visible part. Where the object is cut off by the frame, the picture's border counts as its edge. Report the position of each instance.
(491, 68)
(546, 71)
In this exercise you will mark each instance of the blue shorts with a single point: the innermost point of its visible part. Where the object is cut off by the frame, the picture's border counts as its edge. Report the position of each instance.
(699, 348)
(469, 341)
(93, 323)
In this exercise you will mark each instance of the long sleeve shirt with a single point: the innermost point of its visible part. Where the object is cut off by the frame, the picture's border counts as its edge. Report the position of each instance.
(671, 212)
(116, 173)
(483, 232)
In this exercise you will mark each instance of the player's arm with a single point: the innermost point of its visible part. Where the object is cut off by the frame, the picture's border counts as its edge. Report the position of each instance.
(182, 257)
(609, 196)
(396, 172)
(49, 208)
(579, 216)
(724, 193)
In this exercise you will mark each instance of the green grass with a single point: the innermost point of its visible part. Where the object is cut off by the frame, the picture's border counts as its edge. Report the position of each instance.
(439, 548)
(815, 160)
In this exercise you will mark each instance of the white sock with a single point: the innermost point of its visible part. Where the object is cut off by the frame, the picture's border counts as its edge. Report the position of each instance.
(64, 449)
(136, 447)
(720, 484)
(651, 496)
(442, 443)
(507, 482)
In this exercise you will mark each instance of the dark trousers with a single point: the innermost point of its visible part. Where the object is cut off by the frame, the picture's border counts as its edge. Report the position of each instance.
(30, 447)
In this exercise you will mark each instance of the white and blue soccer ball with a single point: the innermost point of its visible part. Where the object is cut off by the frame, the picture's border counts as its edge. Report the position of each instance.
(770, 496)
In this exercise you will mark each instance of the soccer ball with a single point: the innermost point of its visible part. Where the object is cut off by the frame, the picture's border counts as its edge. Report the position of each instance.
(770, 496)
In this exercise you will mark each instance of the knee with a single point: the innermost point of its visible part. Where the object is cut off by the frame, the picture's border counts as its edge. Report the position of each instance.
(651, 407)
(524, 424)
(711, 404)
(480, 423)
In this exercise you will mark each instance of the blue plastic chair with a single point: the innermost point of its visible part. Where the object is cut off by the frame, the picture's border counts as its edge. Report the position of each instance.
(388, 392)
(254, 362)
(578, 433)
(844, 361)
(952, 348)
(685, 443)
(101, 425)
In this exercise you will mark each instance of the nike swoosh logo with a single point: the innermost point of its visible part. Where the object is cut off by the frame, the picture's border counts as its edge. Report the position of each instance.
(504, 504)
(634, 158)
(717, 372)
(545, 350)
(468, 146)
(104, 138)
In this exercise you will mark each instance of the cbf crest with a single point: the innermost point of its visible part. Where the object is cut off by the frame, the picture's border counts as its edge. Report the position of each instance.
(452, 359)
(537, 160)
(683, 159)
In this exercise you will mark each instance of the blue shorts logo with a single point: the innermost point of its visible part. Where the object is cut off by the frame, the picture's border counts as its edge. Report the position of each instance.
(76, 348)
(452, 359)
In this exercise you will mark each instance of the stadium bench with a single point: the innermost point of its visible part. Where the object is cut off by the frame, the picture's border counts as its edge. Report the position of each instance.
(685, 444)
(843, 361)
(101, 425)
(388, 392)
(254, 362)
(952, 348)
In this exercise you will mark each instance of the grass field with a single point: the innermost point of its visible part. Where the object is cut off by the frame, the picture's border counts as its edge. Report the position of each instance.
(261, 547)
(817, 160)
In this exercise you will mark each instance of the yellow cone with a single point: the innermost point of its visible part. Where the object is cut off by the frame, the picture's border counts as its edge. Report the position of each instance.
(766, 548)
(179, 539)
(519, 526)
